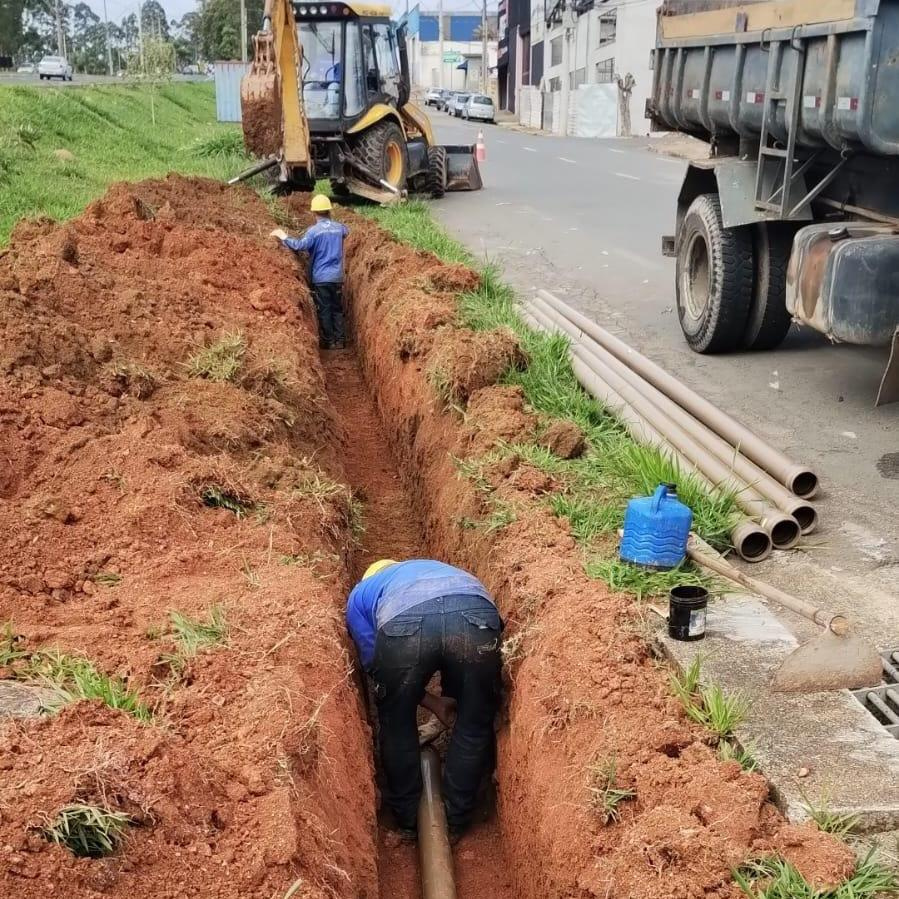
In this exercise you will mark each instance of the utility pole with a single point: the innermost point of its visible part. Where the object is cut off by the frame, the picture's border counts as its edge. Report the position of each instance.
(243, 31)
(60, 41)
(140, 39)
(484, 47)
(440, 41)
(568, 22)
(108, 42)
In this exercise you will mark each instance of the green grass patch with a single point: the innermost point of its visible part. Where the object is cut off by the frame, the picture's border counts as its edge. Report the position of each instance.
(775, 878)
(605, 794)
(88, 831)
(107, 578)
(729, 751)
(216, 497)
(71, 678)
(840, 825)
(194, 634)
(598, 485)
(221, 360)
(108, 130)
(718, 710)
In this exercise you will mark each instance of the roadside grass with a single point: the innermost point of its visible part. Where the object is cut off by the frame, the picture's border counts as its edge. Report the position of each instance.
(718, 710)
(774, 878)
(193, 634)
(729, 751)
(87, 831)
(836, 823)
(605, 794)
(596, 487)
(218, 497)
(107, 129)
(70, 678)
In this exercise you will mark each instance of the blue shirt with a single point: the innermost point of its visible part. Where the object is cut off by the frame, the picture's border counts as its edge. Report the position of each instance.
(324, 244)
(398, 588)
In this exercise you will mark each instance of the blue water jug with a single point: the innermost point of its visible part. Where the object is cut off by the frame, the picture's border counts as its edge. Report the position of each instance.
(656, 529)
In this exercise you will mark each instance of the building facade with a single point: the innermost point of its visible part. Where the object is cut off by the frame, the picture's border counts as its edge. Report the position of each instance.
(570, 43)
(460, 65)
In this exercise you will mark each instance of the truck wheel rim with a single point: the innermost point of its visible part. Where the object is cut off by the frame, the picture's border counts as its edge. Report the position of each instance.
(394, 164)
(696, 276)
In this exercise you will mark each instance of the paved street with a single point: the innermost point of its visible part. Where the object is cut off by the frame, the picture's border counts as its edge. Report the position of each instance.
(584, 219)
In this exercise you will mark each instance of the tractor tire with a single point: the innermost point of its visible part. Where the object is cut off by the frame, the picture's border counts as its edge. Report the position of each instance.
(436, 182)
(769, 321)
(714, 277)
(383, 149)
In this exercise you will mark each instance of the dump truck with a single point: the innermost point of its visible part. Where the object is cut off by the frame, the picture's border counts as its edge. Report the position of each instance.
(327, 96)
(794, 214)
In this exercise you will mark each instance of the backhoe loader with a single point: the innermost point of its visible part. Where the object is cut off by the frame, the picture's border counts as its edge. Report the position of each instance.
(327, 96)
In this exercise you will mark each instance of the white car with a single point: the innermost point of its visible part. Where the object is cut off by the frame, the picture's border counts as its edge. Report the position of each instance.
(433, 96)
(479, 107)
(27, 68)
(457, 104)
(54, 67)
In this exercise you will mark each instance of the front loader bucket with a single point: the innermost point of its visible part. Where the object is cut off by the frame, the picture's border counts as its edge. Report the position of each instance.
(260, 101)
(462, 172)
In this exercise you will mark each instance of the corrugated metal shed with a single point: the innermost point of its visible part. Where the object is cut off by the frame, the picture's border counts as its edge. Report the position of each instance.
(227, 89)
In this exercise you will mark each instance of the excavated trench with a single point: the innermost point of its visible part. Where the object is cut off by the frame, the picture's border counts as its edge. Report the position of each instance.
(394, 529)
(190, 450)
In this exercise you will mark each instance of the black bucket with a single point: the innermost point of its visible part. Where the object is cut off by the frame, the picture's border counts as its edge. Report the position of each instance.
(686, 612)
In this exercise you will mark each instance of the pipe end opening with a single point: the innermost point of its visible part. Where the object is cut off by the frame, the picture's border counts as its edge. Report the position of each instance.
(807, 516)
(785, 533)
(753, 545)
(804, 483)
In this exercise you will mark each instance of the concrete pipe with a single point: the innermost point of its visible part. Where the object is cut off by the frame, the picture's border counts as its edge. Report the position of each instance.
(783, 529)
(800, 479)
(435, 856)
(760, 481)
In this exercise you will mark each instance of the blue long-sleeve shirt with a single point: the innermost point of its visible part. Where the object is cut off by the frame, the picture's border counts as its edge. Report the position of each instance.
(324, 244)
(396, 589)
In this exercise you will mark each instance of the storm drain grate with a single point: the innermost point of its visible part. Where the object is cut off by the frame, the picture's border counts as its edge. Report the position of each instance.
(883, 701)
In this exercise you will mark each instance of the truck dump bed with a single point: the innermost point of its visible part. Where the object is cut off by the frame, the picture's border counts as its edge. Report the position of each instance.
(834, 63)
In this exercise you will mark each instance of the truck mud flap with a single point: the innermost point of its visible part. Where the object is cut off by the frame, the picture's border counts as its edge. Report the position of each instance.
(889, 384)
(462, 172)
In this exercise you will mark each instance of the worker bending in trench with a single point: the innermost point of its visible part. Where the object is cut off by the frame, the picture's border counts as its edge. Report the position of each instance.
(324, 244)
(409, 620)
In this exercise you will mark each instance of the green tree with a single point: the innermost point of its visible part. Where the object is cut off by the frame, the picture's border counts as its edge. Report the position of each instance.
(88, 52)
(186, 37)
(11, 28)
(39, 27)
(154, 21)
(219, 27)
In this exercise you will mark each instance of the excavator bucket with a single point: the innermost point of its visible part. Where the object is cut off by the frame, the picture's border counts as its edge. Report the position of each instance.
(260, 100)
(462, 172)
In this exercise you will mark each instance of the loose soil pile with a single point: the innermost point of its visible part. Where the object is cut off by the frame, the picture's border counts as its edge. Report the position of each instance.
(134, 484)
(584, 691)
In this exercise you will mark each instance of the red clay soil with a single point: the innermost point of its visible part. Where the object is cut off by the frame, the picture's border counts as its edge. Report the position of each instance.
(584, 691)
(393, 529)
(255, 772)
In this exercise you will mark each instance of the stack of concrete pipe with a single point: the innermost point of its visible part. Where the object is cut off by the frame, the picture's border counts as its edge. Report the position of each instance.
(704, 440)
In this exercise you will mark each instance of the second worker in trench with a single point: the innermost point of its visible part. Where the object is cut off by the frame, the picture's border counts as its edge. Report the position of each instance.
(410, 620)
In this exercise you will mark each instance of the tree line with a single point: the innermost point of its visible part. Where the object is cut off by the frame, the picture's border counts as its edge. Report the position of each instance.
(31, 28)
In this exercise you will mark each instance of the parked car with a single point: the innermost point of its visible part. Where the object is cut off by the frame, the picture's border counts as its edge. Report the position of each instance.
(27, 68)
(479, 107)
(433, 96)
(457, 104)
(444, 99)
(54, 67)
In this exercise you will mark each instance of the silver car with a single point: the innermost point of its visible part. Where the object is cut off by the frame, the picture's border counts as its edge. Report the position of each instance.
(479, 107)
(433, 96)
(54, 67)
(457, 104)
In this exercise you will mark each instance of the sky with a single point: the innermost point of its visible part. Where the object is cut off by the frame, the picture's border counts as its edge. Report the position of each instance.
(175, 9)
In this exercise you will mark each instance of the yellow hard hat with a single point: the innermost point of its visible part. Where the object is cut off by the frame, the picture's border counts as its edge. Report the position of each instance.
(320, 203)
(375, 567)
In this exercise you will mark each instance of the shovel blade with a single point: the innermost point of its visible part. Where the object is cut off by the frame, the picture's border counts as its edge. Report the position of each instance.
(462, 172)
(829, 662)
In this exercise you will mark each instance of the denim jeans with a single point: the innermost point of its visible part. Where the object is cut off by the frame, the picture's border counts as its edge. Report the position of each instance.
(329, 307)
(459, 636)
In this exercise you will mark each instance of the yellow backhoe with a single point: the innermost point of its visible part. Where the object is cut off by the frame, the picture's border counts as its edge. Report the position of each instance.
(327, 96)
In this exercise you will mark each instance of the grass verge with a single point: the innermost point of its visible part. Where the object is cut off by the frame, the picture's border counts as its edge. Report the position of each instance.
(596, 487)
(61, 148)
(87, 831)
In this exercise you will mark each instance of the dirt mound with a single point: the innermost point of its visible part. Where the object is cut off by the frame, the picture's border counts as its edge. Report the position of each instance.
(261, 120)
(168, 448)
(585, 693)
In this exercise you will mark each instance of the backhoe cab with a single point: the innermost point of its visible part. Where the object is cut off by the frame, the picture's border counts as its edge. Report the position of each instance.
(328, 97)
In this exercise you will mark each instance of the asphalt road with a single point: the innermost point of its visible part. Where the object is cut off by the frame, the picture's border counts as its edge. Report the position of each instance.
(584, 219)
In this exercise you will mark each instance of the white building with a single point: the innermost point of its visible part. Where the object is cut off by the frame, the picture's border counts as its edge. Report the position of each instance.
(578, 42)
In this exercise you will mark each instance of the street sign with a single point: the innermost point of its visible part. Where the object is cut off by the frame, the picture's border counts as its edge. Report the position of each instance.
(452, 57)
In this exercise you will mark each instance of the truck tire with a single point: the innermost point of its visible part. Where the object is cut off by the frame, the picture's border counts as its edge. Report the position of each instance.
(769, 321)
(714, 275)
(383, 149)
(436, 172)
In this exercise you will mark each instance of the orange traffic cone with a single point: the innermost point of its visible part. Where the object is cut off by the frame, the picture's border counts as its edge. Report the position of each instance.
(480, 148)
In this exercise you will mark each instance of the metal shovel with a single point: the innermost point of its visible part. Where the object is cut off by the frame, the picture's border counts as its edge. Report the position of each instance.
(835, 660)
